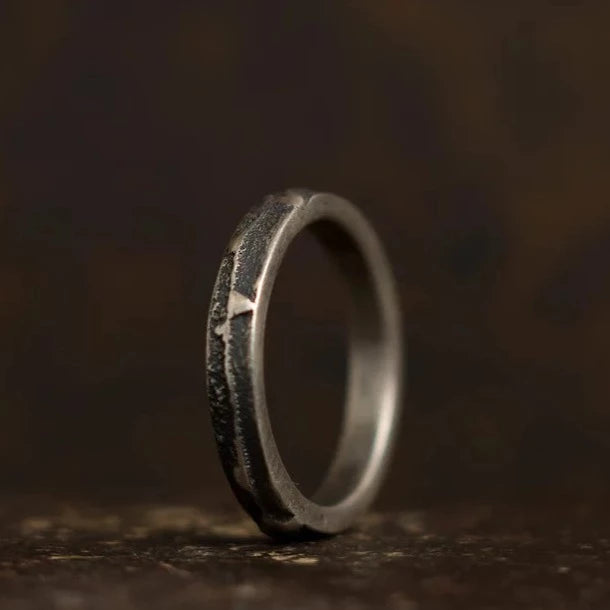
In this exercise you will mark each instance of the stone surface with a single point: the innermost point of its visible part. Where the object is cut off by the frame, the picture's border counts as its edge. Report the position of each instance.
(180, 557)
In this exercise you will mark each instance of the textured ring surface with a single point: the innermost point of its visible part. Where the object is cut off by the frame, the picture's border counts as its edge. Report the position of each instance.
(236, 390)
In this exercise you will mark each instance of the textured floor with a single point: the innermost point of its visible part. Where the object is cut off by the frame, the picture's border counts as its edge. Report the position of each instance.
(179, 557)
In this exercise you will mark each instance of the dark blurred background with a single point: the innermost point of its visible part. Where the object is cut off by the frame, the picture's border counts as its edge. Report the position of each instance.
(475, 135)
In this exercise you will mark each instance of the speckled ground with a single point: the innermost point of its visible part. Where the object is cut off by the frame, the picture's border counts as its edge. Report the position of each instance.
(181, 558)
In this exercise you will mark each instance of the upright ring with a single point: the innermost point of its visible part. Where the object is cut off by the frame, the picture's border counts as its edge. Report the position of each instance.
(236, 389)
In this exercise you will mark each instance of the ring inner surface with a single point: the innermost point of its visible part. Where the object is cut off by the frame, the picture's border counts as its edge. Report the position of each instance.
(367, 370)
(305, 360)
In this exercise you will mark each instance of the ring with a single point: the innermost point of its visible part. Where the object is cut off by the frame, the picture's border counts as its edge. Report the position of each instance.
(236, 390)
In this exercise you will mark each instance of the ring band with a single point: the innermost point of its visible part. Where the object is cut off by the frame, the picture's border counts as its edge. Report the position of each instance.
(236, 330)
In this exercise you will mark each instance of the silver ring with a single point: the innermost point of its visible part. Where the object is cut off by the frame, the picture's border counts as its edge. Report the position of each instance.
(236, 329)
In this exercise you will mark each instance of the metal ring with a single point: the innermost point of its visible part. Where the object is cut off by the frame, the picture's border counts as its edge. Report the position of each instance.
(236, 329)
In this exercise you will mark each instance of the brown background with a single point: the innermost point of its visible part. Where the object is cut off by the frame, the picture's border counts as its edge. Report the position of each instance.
(474, 134)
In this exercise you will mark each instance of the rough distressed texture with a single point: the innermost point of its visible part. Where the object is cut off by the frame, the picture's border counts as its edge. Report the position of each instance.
(230, 393)
(159, 556)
